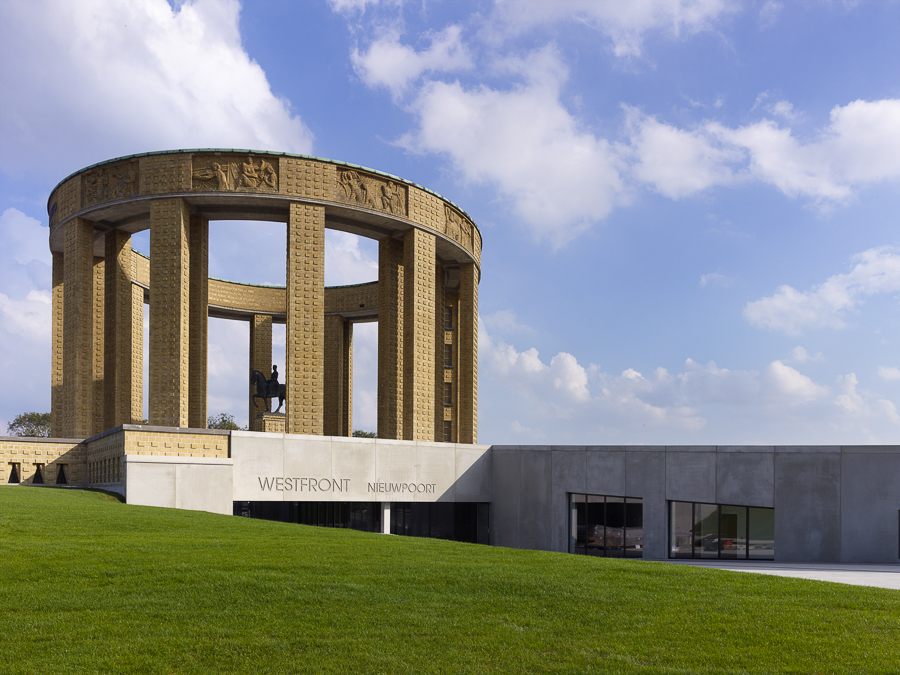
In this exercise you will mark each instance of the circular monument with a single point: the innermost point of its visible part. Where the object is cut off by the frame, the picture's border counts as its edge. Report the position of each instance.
(425, 298)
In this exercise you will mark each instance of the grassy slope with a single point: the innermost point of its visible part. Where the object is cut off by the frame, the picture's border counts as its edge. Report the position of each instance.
(88, 584)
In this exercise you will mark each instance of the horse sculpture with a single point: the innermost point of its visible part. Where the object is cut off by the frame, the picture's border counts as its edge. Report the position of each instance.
(266, 391)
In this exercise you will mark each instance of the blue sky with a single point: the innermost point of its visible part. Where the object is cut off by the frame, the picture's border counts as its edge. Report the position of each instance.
(689, 208)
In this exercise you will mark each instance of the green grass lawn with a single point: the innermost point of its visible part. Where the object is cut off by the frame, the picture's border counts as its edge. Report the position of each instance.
(88, 584)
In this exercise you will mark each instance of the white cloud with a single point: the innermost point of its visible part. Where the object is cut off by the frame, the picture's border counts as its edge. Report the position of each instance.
(351, 6)
(388, 63)
(591, 401)
(29, 318)
(625, 24)
(889, 373)
(675, 161)
(860, 146)
(877, 270)
(505, 321)
(714, 279)
(800, 355)
(134, 76)
(558, 177)
(349, 259)
(861, 406)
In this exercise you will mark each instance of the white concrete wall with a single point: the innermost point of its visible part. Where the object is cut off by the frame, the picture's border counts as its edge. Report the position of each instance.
(296, 468)
(193, 483)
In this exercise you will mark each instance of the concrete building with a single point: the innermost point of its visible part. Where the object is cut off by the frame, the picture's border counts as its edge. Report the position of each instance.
(425, 474)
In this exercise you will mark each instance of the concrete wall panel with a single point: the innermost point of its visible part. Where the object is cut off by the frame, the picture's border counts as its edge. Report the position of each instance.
(473, 470)
(437, 466)
(150, 484)
(870, 507)
(745, 478)
(202, 487)
(807, 506)
(645, 477)
(568, 475)
(506, 488)
(605, 471)
(535, 499)
(691, 476)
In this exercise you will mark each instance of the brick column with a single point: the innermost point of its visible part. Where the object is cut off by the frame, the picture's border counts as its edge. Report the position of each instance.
(390, 339)
(440, 372)
(418, 335)
(78, 329)
(347, 385)
(119, 314)
(260, 359)
(304, 372)
(468, 354)
(99, 338)
(198, 321)
(137, 353)
(169, 310)
(56, 357)
(334, 375)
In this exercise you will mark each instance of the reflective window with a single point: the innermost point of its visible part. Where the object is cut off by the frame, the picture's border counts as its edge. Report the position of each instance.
(606, 526)
(457, 521)
(721, 531)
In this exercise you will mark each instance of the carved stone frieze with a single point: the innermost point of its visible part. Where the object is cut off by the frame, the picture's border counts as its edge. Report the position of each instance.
(235, 173)
(372, 192)
(459, 228)
(109, 183)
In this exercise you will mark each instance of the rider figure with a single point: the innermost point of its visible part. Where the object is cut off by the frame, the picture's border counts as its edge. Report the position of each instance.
(273, 383)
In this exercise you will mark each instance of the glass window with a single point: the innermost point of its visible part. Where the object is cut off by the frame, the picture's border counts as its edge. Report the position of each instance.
(448, 393)
(448, 317)
(733, 532)
(448, 431)
(634, 527)
(706, 531)
(681, 522)
(762, 534)
(448, 356)
(578, 524)
(601, 525)
(596, 525)
(721, 531)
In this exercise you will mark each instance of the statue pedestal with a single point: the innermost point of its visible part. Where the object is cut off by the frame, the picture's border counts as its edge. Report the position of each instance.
(272, 423)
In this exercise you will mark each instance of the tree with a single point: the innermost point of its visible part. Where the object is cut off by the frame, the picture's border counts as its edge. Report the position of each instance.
(30, 424)
(359, 433)
(223, 421)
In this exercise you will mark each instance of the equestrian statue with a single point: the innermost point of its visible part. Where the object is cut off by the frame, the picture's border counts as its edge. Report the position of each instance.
(267, 389)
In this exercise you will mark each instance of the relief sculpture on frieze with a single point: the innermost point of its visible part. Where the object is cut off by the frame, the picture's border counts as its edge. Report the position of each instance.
(245, 174)
(109, 183)
(458, 228)
(372, 193)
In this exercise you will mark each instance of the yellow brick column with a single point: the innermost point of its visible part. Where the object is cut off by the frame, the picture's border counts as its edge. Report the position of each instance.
(418, 335)
(304, 372)
(169, 312)
(99, 338)
(119, 335)
(56, 358)
(347, 384)
(441, 374)
(137, 351)
(78, 329)
(334, 375)
(468, 354)
(390, 339)
(198, 243)
(260, 359)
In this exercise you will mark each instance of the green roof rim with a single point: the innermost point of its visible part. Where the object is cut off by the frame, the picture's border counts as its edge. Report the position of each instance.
(261, 152)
